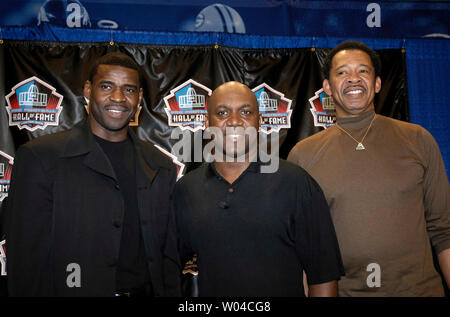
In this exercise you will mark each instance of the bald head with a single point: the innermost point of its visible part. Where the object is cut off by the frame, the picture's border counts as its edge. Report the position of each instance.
(227, 93)
(232, 87)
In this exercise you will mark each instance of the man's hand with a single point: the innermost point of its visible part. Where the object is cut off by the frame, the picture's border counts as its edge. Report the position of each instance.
(444, 263)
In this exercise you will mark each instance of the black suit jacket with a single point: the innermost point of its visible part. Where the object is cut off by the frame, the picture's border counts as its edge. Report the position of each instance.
(65, 206)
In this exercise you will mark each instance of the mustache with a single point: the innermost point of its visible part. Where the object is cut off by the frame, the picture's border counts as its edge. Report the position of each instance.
(117, 106)
(354, 87)
(234, 131)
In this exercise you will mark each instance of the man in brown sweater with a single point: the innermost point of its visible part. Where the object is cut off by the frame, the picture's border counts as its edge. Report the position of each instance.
(385, 183)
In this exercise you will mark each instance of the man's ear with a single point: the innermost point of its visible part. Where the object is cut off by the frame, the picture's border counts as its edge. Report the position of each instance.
(141, 94)
(207, 121)
(259, 121)
(87, 89)
(326, 87)
(377, 84)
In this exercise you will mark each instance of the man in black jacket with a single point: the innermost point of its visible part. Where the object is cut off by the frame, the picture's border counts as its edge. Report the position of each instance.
(88, 208)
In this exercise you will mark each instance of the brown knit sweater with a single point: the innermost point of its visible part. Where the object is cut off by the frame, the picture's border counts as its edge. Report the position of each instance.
(387, 202)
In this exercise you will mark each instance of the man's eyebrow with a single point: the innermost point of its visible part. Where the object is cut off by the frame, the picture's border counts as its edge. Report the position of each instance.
(346, 65)
(225, 105)
(131, 85)
(113, 83)
(106, 82)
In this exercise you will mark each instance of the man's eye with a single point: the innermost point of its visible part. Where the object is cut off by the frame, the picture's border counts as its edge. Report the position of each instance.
(103, 86)
(246, 112)
(221, 113)
(342, 72)
(130, 90)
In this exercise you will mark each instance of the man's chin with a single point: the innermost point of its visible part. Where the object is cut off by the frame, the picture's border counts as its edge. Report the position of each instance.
(354, 111)
(232, 155)
(121, 124)
(118, 127)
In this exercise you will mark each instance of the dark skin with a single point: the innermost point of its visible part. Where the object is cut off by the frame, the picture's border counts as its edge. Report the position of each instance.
(114, 95)
(329, 289)
(234, 105)
(352, 83)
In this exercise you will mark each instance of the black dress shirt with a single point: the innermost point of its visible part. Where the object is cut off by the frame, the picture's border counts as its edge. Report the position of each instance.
(255, 237)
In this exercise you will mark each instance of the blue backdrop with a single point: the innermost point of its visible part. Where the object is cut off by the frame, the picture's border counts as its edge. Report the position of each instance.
(419, 27)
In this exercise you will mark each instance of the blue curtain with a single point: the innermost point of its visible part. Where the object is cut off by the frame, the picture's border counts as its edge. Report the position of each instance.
(428, 67)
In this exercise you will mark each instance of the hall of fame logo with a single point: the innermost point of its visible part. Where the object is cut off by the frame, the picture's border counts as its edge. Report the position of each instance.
(274, 108)
(33, 104)
(3, 258)
(180, 166)
(323, 109)
(186, 106)
(6, 165)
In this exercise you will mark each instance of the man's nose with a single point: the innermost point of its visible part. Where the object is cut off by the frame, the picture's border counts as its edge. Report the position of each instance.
(354, 78)
(235, 120)
(117, 95)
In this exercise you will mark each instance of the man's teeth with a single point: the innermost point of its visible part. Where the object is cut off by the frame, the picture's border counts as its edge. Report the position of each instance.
(234, 137)
(115, 111)
(354, 92)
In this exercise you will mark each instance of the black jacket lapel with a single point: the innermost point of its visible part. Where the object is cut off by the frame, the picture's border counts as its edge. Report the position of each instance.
(81, 142)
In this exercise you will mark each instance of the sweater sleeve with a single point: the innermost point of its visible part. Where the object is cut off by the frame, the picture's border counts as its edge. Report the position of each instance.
(436, 195)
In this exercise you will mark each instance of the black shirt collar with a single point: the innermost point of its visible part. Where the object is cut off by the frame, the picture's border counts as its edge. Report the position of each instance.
(211, 171)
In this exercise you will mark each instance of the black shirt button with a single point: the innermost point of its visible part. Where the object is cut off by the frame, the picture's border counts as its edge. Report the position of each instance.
(117, 224)
(230, 190)
(117, 186)
(224, 205)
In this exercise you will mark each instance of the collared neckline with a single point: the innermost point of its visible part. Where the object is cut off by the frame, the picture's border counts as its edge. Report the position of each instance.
(112, 143)
(211, 170)
(81, 139)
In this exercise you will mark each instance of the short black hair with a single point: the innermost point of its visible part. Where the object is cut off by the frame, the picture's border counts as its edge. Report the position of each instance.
(115, 58)
(352, 45)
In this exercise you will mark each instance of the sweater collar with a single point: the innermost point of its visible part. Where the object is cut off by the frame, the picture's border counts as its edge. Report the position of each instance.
(358, 122)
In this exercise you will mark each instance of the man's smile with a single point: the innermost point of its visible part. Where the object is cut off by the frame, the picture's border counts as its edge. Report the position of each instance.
(117, 112)
(354, 90)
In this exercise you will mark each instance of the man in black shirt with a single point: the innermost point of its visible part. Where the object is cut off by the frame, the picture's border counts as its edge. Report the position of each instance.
(88, 208)
(131, 273)
(254, 232)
